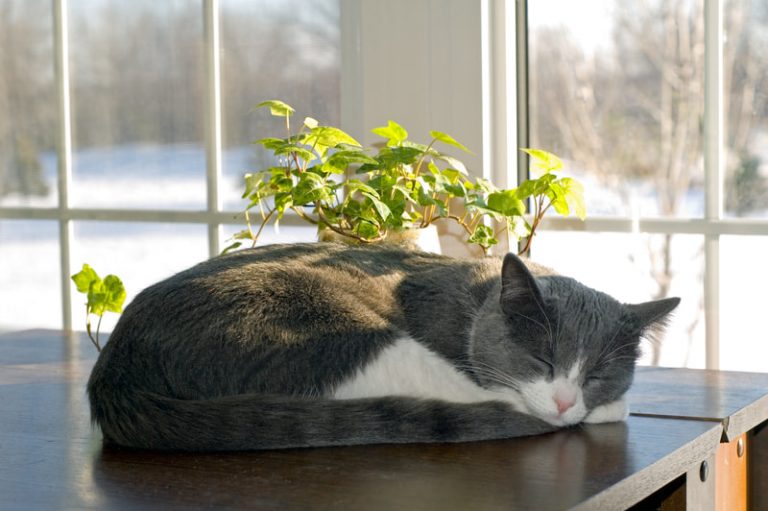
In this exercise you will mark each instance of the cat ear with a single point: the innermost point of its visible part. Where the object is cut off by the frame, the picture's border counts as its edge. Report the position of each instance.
(518, 286)
(654, 312)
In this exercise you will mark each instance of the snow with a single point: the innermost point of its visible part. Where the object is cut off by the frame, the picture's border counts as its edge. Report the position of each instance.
(173, 178)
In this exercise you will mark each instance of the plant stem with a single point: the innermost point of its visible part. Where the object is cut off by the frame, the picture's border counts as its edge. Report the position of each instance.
(88, 329)
(539, 215)
(261, 227)
(417, 171)
(300, 211)
(98, 328)
(349, 234)
(459, 221)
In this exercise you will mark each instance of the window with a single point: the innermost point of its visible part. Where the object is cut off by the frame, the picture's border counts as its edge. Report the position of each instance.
(128, 152)
(659, 107)
(630, 95)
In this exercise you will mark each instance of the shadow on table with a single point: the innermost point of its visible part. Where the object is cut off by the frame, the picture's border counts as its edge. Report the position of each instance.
(549, 471)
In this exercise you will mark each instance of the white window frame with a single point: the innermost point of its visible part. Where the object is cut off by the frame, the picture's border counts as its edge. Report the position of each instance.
(213, 215)
(492, 118)
(713, 224)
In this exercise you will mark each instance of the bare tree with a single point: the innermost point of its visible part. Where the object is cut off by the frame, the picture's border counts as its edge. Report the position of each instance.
(27, 103)
(635, 113)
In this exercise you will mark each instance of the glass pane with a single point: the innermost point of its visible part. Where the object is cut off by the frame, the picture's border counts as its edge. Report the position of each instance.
(743, 284)
(28, 105)
(746, 73)
(138, 104)
(288, 50)
(139, 253)
(616, 89)
(30, 292)
(634, 268)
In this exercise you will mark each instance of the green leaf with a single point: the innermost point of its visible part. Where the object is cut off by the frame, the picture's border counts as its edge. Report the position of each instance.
(277, 108)
(115, 293)
(454, 163)
(103, 295)
(392, 156)
(245, 234)
(84, 278)
(526, 188)
(483, 236)
(328, 136)
(309, 189)
(393, 132)
(506, 202)
(447, 139)
(230, 248)
(381, 208)
(255, 182)
(484, 185)
(301, 152)
(574, 196)
(383, 181)
(478, 206)
(535, 187)
(339, 161)
(421, 147)
(367, 230)
(283, 201)
(271, 143)
(544, 160)
(407, 194)
(354, 185)
(453, 175)
(310, 123)
(457, 190)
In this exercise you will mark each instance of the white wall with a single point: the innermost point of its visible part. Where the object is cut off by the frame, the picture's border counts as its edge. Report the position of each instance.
(427, 65)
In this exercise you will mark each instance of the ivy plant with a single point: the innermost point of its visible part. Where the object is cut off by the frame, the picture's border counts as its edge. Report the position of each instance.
(103, 295)
(330, 180)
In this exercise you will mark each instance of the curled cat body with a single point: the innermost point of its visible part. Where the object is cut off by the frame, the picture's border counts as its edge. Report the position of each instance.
(325, 344)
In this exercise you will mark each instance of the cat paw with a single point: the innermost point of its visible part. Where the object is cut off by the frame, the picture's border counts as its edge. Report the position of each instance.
(611, 412)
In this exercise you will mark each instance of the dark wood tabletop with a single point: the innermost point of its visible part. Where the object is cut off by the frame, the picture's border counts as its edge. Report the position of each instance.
(738, 400)
(51, 458)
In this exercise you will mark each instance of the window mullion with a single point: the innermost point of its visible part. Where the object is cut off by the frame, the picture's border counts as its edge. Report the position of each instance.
(522, 130)
(64, 150)
(213, 119)
(713, 172)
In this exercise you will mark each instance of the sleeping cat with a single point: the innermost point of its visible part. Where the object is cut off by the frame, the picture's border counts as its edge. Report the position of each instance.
(324, 344)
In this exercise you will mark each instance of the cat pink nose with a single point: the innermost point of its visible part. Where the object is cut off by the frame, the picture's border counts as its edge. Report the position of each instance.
(563, 405)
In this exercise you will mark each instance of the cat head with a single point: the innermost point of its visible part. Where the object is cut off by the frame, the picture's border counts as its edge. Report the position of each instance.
(559, 348)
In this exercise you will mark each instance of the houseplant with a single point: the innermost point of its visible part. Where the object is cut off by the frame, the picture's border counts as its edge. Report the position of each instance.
(368, 195)
(103, 295)
(365, 195)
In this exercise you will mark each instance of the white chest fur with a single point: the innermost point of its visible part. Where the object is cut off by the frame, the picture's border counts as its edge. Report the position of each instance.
(408, 368)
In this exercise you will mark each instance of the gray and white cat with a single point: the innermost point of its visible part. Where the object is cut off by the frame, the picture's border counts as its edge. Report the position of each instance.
(324, 344)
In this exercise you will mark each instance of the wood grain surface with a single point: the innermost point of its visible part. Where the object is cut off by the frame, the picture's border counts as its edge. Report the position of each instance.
(738, 400)
(51, 458)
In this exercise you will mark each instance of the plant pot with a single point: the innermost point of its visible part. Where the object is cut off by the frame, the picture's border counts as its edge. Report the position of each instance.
(425, 239)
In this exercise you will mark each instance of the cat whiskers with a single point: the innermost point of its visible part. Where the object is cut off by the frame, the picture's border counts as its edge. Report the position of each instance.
(606, 357)
(609, 344)
(490, 372)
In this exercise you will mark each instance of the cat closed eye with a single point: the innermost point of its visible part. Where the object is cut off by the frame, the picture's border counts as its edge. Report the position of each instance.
(546, 364)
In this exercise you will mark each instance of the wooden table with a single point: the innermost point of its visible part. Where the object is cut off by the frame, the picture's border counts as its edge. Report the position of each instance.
(737, 401)
(51, 458)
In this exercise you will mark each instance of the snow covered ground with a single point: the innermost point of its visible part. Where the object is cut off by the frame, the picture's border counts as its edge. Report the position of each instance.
(144, 253)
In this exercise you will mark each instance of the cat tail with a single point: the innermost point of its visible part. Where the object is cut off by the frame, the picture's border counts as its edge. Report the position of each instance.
(254, 421)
